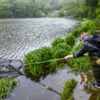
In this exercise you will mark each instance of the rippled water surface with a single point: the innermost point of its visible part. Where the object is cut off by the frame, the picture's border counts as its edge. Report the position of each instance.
(19, 36)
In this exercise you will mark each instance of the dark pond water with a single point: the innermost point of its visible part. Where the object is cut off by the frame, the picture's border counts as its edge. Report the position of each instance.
(19, 36)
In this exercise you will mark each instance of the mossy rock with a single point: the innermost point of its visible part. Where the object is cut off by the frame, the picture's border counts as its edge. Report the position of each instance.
(57, 41)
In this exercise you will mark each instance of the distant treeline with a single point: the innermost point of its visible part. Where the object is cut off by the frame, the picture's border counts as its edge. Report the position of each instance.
(82, 8)
(28, 8)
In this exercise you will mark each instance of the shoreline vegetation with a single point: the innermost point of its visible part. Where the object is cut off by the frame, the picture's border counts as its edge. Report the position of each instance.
(60, 48)
(6, 85)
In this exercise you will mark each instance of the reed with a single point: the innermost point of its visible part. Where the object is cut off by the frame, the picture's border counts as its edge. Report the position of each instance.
(68, 89)
(6, 85)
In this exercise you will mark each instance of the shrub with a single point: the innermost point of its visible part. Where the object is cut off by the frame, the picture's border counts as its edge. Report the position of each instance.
(57, 41)
(68, 89)
(88, 24)
(70, 40)
(61, 13)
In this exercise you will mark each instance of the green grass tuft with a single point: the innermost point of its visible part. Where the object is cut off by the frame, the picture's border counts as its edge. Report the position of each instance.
(70, 40)
(57, 41)
(68, 89)
(6, 84)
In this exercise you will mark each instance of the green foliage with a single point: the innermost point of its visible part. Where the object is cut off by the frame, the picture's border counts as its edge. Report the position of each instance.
(81, 63)
(57, 41)
(60, 53)
(38, 55)
(47, 7)
(70, 40)
(91, 3)
(61, 13)
(85, 27)
(98, 98)
(61, 46)
(68, 89)
(89, 24)
(6, 84)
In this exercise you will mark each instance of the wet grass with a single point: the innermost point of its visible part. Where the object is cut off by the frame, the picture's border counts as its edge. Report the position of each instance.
(6, 85)
(86, 26)
(68, 90)
(58, 50)
(70, 40)
(81, 63)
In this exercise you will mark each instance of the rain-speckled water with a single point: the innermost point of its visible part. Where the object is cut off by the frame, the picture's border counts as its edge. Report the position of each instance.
(19, 36)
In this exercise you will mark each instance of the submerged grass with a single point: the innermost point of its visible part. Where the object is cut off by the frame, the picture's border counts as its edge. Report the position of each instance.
(6, 84)
(68, 89)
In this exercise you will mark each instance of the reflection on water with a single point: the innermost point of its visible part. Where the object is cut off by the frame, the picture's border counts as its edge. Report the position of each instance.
(34, 87)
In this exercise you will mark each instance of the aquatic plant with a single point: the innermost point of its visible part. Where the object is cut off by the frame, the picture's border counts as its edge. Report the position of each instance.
(38, 55)
(75, 33)
(57, 41)
(6, 84)
(61, 46)
(70, 40)
(85, 27)
(48, 86)
(89, 24)
(68, 89)
(60, 53)
(81, 63)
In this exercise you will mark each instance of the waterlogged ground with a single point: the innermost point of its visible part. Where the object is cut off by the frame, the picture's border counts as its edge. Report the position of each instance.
(19, 36)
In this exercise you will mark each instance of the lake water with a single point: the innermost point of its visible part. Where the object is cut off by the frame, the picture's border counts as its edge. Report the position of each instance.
(20, 36)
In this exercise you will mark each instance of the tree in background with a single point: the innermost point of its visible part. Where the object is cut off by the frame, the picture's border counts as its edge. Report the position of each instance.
(26, 8)
(98, 10)
(47, 7)
(81, 8)
(60, 4)
(5, 9)
(92, 3)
